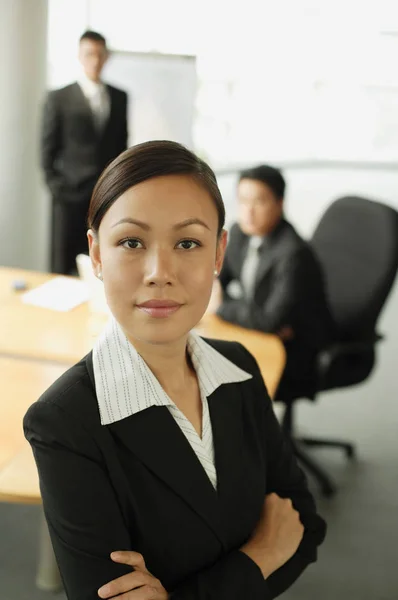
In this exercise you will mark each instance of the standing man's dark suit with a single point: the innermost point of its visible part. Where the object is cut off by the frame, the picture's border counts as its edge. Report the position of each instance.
(288, 292)
(73, 154)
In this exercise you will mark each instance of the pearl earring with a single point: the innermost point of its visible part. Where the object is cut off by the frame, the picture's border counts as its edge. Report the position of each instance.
(99, 275)
(215, 272)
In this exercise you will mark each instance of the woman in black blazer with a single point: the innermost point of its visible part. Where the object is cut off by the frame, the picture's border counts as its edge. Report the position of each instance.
(160, 445)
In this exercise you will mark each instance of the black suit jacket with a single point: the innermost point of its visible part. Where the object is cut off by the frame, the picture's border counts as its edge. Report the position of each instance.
(73, 153)
(289, 288)
(137, 485)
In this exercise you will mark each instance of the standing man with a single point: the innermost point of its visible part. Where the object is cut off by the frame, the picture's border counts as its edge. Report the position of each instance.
(84, 128)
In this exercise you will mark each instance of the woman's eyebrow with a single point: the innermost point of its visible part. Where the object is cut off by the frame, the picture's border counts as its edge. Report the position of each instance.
(132, 222)
(146, 227)
(192, 221)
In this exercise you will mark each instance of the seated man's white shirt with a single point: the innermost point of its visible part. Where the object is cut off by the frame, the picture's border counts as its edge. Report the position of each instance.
(250, 265)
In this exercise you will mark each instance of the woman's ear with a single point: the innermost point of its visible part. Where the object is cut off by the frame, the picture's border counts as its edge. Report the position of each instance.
(94, 251)
(221, 247)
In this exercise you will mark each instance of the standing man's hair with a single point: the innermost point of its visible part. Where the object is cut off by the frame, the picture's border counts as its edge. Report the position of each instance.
(93, 36)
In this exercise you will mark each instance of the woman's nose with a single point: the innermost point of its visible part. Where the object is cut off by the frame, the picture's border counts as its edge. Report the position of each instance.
(159, 268)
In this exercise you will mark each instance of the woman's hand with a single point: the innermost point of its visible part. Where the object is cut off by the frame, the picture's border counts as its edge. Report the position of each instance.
(276, 536)
(138, 585)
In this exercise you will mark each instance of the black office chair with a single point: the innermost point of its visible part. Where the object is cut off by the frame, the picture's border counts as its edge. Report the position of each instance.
(356, 242)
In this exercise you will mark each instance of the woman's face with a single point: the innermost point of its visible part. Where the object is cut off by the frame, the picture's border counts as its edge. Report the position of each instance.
(157, 249)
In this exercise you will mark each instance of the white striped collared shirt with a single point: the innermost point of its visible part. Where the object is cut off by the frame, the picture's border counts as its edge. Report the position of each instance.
(125, 385)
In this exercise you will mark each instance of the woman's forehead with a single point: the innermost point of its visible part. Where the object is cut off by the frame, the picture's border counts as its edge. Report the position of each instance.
(171, 199)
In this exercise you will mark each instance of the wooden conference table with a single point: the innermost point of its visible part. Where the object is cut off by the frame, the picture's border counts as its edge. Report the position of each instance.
(37, 345)
(65, 337)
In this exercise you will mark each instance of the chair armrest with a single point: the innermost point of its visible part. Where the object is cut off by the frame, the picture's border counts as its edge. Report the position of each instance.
(339, 349)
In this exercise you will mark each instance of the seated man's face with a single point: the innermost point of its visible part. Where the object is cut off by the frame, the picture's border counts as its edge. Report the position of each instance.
(259, 209)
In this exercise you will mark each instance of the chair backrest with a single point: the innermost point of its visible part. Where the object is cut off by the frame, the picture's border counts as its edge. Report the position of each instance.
(356, 242)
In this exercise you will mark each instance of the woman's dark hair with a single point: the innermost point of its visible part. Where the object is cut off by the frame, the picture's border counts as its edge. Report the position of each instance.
(146, 161)
(270, 176)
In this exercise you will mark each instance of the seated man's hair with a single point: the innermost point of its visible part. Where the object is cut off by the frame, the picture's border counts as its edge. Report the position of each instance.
(268, 175)
(93, 36)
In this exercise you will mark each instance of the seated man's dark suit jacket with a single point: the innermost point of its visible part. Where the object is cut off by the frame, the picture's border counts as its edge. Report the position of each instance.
(137, 485)
(289, 291)
(73, 155)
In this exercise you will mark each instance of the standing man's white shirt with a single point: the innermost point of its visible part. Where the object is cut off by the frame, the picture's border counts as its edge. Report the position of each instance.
(98, 99)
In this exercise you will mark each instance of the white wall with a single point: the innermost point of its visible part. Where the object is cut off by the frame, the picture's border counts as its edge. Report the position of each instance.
(297, 79)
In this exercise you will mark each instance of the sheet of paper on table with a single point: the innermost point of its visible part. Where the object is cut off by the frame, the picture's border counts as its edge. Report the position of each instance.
(60, 293)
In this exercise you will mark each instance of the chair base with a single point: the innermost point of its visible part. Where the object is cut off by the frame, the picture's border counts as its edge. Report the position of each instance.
(348, 448)
(326, 484)
(328, 488)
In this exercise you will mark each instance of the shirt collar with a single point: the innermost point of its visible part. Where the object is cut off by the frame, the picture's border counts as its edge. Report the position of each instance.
(89, 87)
(125, 384)
(258, 241)
(255, 241)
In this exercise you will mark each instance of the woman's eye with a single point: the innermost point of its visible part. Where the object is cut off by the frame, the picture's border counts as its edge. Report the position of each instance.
(187, 244)
(132, 244)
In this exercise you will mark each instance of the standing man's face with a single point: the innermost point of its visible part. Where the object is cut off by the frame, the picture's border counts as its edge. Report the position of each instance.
(93, 56)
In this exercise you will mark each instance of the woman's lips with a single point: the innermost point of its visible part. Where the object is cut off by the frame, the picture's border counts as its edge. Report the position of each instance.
(159, 309)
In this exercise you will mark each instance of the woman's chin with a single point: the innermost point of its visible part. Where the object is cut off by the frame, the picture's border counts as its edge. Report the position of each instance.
(145, 329)
(158, 333)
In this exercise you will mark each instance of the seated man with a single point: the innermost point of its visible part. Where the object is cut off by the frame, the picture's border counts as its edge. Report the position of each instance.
(271, 280)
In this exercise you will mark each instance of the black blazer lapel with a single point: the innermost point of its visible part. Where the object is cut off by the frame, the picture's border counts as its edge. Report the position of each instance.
(269, 251)
(154, 437)
(225, 406)
(81, 103)
(112, 112)
(237, 249)
(241, 255)
(265, 263)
